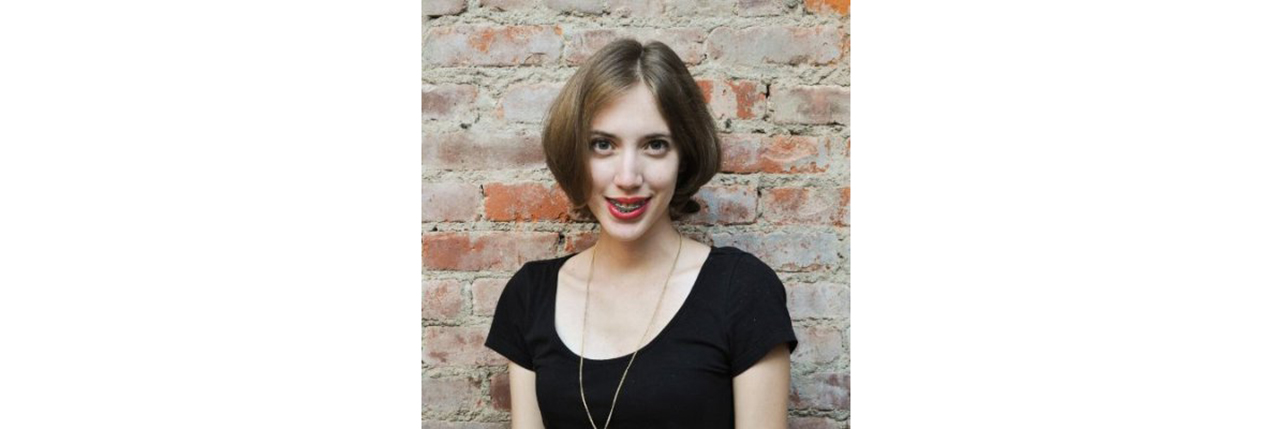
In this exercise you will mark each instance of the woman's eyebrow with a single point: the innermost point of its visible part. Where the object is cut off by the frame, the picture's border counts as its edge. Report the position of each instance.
(647, 136)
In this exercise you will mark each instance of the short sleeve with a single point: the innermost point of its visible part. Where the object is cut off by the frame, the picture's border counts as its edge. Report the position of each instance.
(508, 327)
(758, 316)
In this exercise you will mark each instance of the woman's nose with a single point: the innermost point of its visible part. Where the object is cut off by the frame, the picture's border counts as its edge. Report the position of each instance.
(629, 175)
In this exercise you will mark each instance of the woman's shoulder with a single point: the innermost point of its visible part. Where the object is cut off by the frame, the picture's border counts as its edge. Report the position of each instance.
(743, 270)
(739, 259)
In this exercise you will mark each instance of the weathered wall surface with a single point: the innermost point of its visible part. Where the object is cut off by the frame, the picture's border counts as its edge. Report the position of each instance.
(777, 77)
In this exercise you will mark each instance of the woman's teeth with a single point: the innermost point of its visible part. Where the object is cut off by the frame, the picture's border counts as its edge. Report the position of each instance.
(626, 208)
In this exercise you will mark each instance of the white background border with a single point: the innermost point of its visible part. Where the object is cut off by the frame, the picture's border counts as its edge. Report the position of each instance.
(1062, 214)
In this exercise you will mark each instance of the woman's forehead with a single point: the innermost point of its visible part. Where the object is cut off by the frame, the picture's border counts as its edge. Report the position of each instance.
(632, 114)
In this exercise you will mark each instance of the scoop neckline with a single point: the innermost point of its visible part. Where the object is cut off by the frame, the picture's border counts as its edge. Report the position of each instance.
(552, 315)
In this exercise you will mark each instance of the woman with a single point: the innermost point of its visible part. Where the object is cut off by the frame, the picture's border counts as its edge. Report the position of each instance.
(647, 328)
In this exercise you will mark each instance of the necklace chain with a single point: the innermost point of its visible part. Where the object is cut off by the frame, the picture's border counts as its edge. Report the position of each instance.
(584, 331)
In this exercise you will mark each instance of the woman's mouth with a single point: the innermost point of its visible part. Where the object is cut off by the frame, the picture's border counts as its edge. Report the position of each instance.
(627, 208)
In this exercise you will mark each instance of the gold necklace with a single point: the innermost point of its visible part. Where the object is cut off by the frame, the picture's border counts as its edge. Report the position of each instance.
(584, 331)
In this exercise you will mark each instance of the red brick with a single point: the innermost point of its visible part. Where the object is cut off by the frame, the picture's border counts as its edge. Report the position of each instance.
(815, 423)
(818, 300)
(446, 395)
(795, 154)
(442, 300)
(686, 42)
(840, 7)
(484, 45)
(579, 241)
(472, 150)
(761, 7)
(486, 294)
(496, 251)
(450, 202)
(814, 105)
(443, 7)
(448, 101)
(587, 7)
(820, 391)
(800, 205)
(775, 45)
(639, 8)
(528, 102)
(525, 202)
(734, 99)
(787, 251)
(724, 205)
(500, 392)
(457, 346)
(756, 153)
(819, 345)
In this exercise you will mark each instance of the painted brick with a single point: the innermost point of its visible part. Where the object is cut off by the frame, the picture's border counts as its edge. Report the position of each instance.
(509, 5)
(636, 8)
(528, 102)
(588, 7)
(818, 344)
(436, 424)
(818, 300)
(724, 205)
(800, 205)
(686, 42)
(472, 150)
(757, 153)
(450, 202)
(820, 391)
(486, 293)
(775, 45)
(525, 202)
(442, 300)
(443, 7)
(840, 7)
(500, 392)
(810, 105)
(448, 101)
(814, 423)
(787, 250)
(497, 251)
(761, 7)
(484, 45)
(843, 218)
(734, 99)
(700, 8)
(458, 346)
(451, 394)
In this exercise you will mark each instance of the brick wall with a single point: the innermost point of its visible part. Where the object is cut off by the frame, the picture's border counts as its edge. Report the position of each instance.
(777, 78)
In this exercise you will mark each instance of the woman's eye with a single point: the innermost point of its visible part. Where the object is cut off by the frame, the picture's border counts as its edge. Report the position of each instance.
(658, 145)
(596, 143)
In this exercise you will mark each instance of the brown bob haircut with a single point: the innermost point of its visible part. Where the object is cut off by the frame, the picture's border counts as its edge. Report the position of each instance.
(605, 75)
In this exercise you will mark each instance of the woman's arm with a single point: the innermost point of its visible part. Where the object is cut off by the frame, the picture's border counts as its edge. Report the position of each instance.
(760, 392)
(521, 390)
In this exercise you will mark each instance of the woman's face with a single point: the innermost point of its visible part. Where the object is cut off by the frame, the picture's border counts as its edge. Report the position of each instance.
(632, 159)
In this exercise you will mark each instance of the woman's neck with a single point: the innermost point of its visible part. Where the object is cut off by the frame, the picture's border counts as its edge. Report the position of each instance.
(652, 252)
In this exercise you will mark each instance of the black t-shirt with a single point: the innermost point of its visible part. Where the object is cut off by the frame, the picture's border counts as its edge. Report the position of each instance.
(735, 313)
